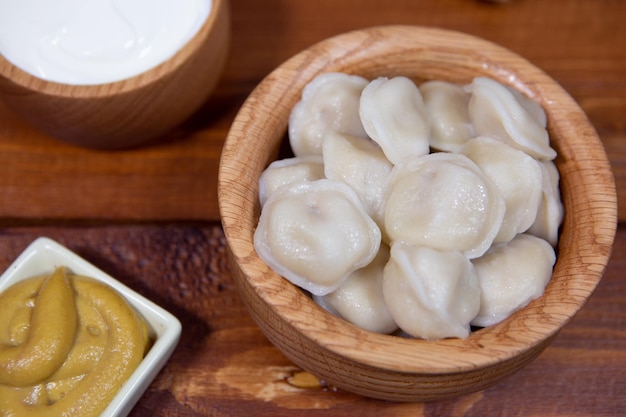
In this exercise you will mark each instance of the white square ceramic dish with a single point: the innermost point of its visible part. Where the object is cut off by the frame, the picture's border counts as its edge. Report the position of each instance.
(44, 254)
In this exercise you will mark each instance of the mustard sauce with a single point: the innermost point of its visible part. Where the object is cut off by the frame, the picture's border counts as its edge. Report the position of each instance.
(67, 345)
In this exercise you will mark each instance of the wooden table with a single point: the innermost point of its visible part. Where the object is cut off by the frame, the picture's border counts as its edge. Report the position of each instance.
(149, 217)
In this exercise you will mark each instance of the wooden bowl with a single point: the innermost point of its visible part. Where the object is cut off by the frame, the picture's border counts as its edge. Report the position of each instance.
(129, 112)
(389, 367)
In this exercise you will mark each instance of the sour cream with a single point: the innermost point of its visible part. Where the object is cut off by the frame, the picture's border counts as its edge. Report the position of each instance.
(96, 41)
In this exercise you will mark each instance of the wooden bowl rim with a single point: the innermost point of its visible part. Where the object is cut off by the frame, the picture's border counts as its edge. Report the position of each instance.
(527, 329)
(136, 82)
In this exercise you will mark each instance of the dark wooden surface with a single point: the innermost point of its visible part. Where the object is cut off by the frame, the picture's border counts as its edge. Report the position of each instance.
(224, 366)
(580, 43)
(148, 216)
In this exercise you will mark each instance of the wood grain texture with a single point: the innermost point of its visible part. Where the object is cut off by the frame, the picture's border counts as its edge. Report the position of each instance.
(130, 112)
(577, 42)
(224, 366)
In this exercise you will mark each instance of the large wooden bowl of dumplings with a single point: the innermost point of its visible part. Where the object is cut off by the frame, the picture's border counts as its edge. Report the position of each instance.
(392, 367)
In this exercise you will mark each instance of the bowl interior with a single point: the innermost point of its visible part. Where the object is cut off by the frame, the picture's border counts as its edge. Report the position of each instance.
(195, 45)
(587, 188)
(44, 255)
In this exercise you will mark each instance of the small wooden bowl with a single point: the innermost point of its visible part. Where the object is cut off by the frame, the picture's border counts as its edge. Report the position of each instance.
(389, 367)
(129, 112)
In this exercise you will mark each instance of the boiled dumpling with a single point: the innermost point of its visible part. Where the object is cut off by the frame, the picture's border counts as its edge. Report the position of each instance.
(362, 165)
(360, 299)
(517, 177)
(389, 236)
(315, 234)
(496, 111)
(532, 107)
(289, 170)
(443, 201)
(447, 109)
(511, 275)
(330, 103)
(550, 213)
(393, 115)
(431, 294)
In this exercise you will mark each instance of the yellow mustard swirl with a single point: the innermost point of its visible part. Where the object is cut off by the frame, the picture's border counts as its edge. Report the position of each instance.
(67, 345)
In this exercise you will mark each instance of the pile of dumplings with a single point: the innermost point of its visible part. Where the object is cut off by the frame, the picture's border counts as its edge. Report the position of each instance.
(418, 210)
